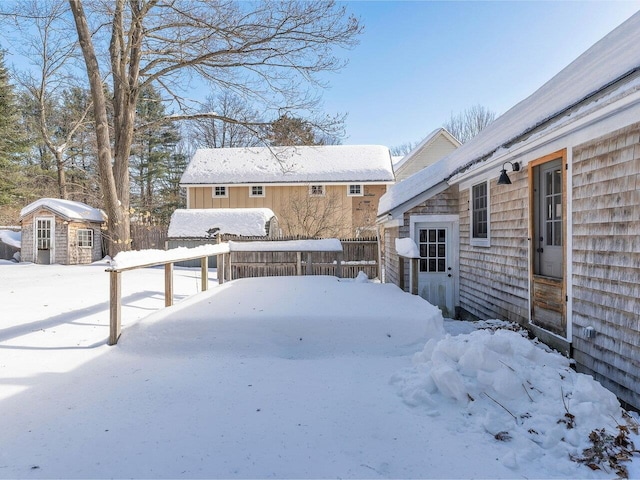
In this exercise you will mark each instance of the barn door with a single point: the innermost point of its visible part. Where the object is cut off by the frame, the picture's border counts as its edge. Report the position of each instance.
(548, 246)
(44, 240)
(437, 268)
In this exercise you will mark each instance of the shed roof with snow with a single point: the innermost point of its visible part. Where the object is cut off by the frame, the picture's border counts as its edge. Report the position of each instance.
(281, 165)
(608, 69)
(197, 223)
(67, 209)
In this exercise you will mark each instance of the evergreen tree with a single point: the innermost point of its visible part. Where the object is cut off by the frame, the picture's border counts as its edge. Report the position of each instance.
(12, 140)
(152, 150)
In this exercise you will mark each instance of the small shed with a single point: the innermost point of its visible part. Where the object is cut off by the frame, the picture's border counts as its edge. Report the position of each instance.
(61, 231)
(198, 226)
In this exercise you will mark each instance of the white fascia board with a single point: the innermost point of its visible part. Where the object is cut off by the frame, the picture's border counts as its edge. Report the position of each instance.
(612, 116)
(291, 184)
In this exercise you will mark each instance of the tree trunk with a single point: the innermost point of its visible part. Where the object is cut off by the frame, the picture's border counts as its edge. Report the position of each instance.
(118, 228)
(62, 177)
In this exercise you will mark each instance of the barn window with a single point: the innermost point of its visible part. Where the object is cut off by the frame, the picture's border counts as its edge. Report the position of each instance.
(354, 190)
(316, 190)
(85, 238)
(220, 191)
(480, 227)
(256, 191)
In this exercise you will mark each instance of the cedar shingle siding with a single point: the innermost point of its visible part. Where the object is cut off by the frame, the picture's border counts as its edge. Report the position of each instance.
(494, 280)
(606, 260)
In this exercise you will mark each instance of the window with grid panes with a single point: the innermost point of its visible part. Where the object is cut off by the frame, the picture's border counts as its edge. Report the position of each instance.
(85, 238)
(433, 250)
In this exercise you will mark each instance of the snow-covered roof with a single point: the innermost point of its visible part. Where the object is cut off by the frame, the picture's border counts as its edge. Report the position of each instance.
(304, 164)
(67, 209)
(11, 238)
(609, 60)
(195, 223)
(396, 159)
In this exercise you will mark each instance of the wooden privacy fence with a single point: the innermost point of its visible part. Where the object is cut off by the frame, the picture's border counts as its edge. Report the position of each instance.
(128, 261)
(357, 255)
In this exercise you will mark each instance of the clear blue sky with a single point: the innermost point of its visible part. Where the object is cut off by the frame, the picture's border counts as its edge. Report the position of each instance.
(418, 61)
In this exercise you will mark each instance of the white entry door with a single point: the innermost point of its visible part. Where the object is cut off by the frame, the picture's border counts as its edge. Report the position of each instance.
(438, 269)
(44, 240)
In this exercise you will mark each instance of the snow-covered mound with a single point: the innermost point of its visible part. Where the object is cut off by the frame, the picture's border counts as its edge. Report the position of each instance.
(507, 386)
(295, 317)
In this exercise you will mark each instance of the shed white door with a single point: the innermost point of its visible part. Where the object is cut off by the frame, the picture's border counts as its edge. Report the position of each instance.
(44, 240)
(437, 267)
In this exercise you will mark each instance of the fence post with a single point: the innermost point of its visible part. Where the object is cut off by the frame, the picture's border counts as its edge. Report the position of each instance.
(220, 268)
(115, 307)
(339, 257)
(401, 272)
(204, 273)
(168, 284)
(414, 276)
(227, 266)
(309, 264)
(299, 263)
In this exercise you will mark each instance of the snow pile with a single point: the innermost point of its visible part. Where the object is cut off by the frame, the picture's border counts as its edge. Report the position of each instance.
(11, 238)
(268, 165)
(137, 258)
(312, 316)
(406, 247)
(196, 223)
(504, 385)
(66, 208)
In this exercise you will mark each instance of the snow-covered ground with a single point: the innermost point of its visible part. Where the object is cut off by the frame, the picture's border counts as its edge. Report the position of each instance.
(308, 377)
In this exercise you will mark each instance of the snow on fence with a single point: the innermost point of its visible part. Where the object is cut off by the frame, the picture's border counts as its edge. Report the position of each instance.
(131, 260)
(407, 248)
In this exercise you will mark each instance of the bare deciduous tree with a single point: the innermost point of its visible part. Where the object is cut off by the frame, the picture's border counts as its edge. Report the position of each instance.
(466, 125)
(314, 217)
(403, 149)
(51, 52)
(268, 51)
(211, 132)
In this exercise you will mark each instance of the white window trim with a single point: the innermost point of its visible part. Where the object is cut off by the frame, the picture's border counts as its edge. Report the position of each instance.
(90, 237)
(480, 242)
(324, 190)
(251, 194)
(349, 194)
(226, 191)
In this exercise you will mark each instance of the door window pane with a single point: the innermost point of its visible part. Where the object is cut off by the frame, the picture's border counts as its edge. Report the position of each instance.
(433, 249)
(43, 234)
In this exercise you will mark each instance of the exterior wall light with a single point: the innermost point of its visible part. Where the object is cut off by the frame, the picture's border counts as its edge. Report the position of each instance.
(504, 178)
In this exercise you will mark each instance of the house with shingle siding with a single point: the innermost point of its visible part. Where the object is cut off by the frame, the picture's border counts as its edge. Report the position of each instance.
(537, 219)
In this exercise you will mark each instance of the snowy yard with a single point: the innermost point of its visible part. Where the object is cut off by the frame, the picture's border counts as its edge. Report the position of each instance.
(289, 377)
